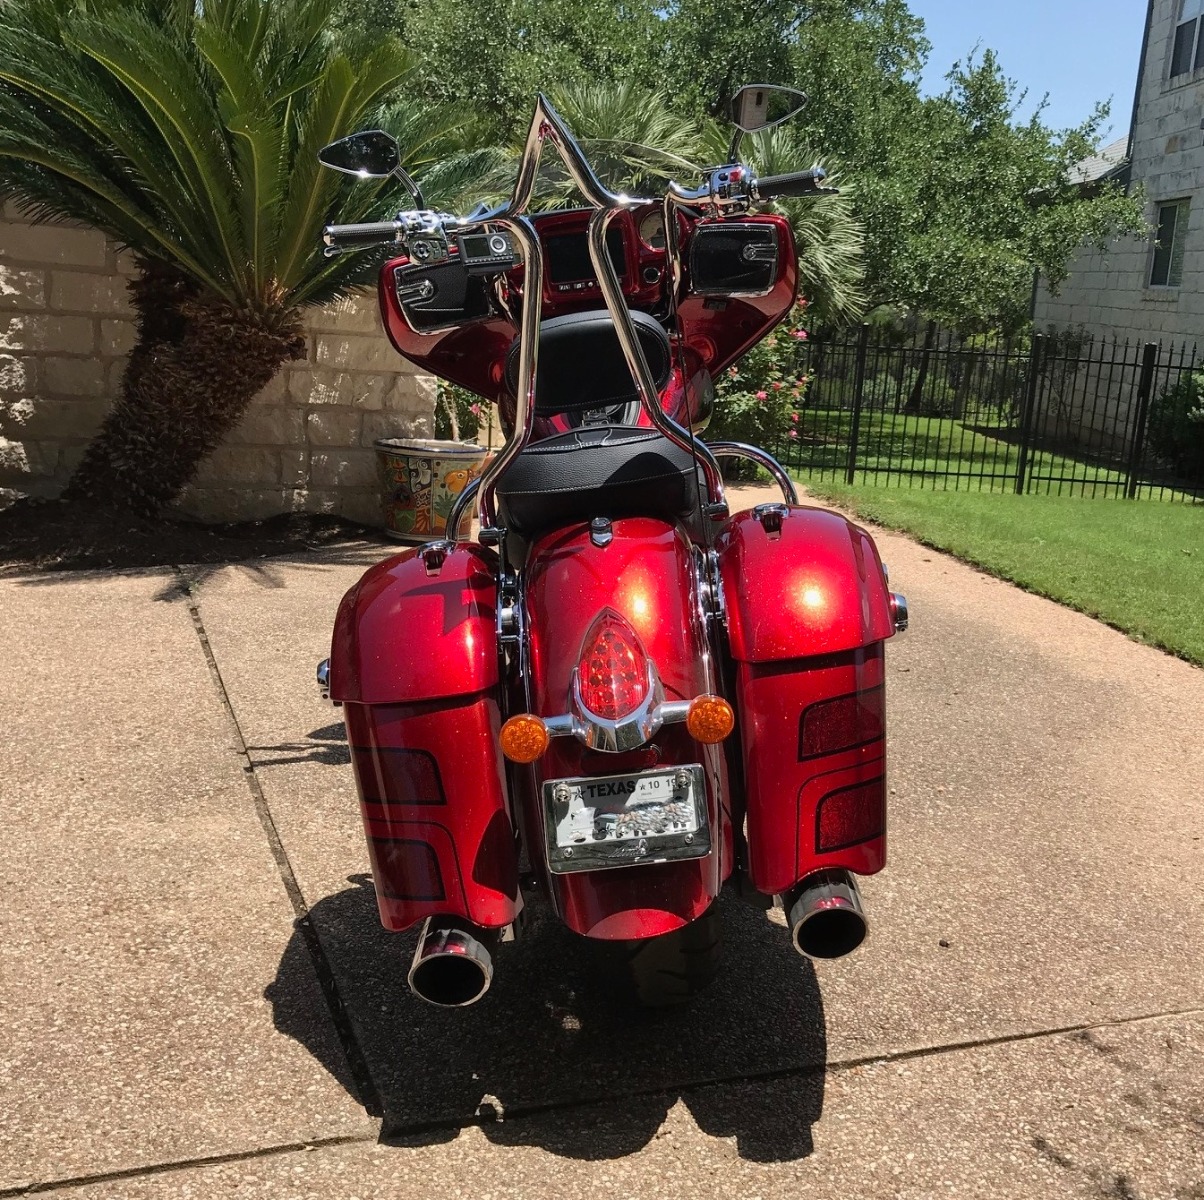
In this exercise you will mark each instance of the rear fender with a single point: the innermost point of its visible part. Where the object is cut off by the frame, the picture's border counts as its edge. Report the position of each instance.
(647, 573)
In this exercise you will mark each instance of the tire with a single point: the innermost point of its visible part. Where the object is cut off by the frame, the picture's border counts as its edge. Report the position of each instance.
(673, 968)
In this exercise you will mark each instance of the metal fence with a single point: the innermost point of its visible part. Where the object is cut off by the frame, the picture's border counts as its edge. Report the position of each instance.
(1060, 414)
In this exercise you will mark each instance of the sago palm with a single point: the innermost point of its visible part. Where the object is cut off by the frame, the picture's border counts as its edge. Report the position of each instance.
(189, 133)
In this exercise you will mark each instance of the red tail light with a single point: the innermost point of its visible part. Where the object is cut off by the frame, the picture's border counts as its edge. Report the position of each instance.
(851, 815)
(612, 673)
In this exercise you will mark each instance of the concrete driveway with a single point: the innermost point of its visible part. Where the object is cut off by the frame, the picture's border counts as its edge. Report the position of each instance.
(196, 998)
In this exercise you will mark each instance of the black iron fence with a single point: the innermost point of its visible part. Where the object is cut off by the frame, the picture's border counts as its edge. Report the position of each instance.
(1058, 414)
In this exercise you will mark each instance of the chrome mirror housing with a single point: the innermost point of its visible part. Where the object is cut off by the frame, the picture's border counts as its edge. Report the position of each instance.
(763, 105)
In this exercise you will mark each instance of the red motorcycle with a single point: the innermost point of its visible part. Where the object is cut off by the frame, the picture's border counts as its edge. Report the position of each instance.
(621, 697)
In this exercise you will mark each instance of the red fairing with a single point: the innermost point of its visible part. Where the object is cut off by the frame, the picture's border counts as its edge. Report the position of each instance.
(808, 611)
(816, 586)
(404, 635)
(646, 575)
(414, 662)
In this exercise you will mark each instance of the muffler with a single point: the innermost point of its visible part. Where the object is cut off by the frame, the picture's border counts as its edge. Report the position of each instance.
(453, 963)
(825, 915)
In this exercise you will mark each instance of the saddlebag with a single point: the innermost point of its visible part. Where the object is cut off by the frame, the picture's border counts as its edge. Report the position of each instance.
(414, 663)
(808, 611)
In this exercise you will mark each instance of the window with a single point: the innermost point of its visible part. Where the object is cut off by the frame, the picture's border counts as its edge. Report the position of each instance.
(1167, 269)
(1188, 53)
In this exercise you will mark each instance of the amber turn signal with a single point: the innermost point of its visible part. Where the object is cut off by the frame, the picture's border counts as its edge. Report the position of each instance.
(710, 719)
(524, 738)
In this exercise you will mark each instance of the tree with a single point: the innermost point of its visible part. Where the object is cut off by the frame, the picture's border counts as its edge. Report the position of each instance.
(966, 202)
(189, 133)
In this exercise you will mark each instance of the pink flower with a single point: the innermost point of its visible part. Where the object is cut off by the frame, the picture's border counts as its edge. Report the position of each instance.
(796, 393)
(762, 395)
(732, 372)
(777, 385)
(475, 409)
(794, 417)
(794, 433)
(799, 335)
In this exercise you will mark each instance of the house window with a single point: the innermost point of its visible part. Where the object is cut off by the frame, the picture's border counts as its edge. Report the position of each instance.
(1188, 53)
(1167, 269)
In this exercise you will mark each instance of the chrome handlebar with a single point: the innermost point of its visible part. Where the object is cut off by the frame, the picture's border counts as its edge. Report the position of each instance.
(730, 189)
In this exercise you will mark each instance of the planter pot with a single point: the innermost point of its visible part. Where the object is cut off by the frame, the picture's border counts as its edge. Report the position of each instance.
(420, 480)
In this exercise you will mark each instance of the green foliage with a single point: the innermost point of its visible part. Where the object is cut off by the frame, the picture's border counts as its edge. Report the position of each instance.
(758, 401)
(460, 414)
(190, 133)
(1175, 432)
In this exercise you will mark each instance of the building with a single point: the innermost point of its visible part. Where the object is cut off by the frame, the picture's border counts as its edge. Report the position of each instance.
(1150, 289)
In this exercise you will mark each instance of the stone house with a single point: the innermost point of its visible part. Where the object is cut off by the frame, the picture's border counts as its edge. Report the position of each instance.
(1150, 289)
(305, 444)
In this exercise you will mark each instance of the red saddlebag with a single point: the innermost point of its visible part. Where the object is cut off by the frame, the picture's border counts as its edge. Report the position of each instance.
(414, 663)
(808, 611)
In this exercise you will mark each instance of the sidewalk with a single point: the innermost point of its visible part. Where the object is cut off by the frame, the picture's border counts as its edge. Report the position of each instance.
(1027, 1019)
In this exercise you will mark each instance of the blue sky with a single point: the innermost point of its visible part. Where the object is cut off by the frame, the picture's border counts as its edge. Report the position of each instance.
(1078, 51)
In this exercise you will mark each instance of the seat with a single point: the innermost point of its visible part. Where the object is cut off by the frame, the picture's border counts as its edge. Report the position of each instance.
(581, 364)
(597, 471)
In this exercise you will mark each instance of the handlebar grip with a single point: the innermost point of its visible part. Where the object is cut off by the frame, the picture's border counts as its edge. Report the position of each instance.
(798, 183)
(367, 234)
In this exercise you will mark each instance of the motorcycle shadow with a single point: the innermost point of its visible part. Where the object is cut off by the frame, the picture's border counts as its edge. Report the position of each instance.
(558, 1051)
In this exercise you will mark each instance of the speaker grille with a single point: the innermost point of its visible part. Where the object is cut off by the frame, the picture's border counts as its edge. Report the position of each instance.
(452, 296)
(734, 260)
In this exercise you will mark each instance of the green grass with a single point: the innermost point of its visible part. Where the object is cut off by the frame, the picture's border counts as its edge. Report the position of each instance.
(968, 459)
(1136, 564)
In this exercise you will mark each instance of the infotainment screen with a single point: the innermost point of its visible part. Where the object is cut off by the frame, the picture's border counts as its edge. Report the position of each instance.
(568, 256)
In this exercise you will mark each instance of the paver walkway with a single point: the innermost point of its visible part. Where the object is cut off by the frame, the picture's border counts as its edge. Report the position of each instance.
(1027, 1019)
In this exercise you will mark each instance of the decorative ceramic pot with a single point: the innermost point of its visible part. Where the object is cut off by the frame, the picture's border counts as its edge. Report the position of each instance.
(421, 478)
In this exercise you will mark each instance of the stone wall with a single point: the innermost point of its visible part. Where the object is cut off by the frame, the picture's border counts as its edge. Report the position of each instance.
(305, 444)
(1109, 292)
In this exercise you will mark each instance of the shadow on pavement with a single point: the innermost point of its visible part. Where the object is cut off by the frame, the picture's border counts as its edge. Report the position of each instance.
(326, 746)
(554, 1031)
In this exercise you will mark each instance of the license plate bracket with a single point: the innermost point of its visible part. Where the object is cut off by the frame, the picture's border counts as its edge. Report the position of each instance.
(601, 822)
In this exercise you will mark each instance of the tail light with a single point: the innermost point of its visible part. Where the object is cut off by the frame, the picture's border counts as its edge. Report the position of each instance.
(851, 815)
(844, 723)
(612, 672)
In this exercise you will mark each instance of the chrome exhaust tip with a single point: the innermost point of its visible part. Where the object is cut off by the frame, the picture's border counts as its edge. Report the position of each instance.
(825, 915)
(453, 962)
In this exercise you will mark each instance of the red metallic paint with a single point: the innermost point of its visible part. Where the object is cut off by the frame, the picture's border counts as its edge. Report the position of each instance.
(815, 587)
(404, 635)
(646, 573)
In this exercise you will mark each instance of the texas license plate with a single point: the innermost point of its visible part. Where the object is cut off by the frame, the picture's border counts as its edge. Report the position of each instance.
(626, 820)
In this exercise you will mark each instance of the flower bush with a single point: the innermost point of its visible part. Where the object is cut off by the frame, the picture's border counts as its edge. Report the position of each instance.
(460, 414)
(1176, 426)
(758, 400)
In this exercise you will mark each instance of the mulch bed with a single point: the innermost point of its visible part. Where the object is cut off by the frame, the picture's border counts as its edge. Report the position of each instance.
(52, 535)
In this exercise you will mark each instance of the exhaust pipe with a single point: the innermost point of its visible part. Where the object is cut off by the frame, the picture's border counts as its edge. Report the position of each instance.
(825, 915)
(453, 963)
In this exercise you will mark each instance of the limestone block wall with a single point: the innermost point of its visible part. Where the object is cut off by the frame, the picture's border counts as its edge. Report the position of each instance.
(1109, 292)
(305, 444)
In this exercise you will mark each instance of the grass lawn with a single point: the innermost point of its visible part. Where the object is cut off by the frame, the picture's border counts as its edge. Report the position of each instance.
(1136, 564)
(898, 446)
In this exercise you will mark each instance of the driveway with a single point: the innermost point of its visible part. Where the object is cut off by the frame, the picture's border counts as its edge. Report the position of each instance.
(197, 999)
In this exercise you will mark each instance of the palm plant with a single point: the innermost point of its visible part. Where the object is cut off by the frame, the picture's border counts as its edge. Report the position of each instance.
(189, 133)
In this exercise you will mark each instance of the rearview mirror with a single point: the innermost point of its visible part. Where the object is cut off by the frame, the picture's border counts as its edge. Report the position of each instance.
(373, 154)
(762, 105)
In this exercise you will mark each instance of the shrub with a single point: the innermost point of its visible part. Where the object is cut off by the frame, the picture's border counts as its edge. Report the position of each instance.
(758, 400)
(1176, 426)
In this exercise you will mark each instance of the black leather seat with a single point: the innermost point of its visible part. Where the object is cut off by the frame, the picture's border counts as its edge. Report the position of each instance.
(581, 365)
(594, 470)
(597, 471)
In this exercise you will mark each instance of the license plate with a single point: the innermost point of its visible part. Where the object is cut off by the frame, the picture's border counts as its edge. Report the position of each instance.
(626, 820)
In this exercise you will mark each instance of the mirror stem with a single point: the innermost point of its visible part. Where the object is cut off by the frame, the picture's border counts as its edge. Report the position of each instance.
(410, 186)
(733, 153)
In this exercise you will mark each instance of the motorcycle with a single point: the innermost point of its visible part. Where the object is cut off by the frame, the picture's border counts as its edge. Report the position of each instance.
(622, 697)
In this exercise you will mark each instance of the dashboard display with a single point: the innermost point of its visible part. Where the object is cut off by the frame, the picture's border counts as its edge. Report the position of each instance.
(568, 260)
(652, 230)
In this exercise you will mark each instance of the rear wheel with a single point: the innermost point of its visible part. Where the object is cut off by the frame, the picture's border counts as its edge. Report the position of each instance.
(675, 967)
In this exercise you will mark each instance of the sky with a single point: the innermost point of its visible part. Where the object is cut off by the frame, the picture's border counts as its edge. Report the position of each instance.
(1079, 51)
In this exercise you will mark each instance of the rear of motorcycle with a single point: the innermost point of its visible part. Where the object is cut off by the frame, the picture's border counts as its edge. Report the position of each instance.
(622, 726)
